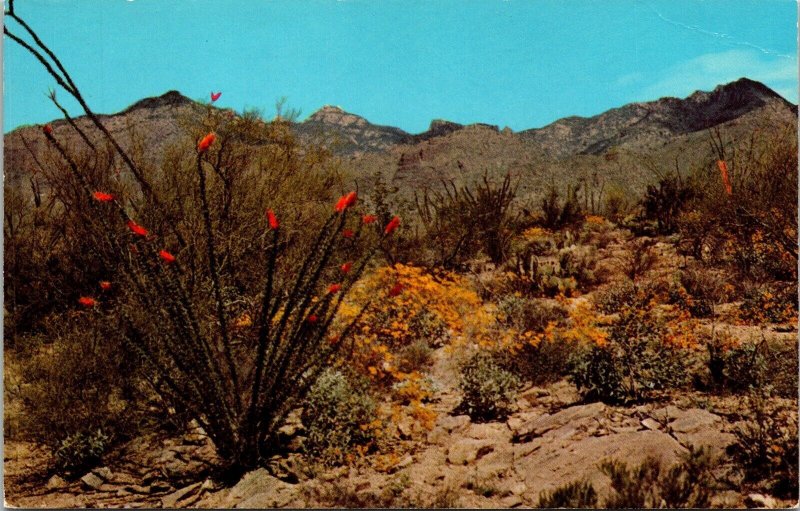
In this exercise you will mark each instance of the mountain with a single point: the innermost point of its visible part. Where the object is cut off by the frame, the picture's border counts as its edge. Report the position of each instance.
(618, 149)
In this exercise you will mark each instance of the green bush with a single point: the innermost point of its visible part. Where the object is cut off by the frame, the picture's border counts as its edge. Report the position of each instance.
(766, 449)
(650, 485)
(488, 390)
(578, 494)
(80, 452)
(337, 416)
(414, 357)
(753, 366)
(635, 361)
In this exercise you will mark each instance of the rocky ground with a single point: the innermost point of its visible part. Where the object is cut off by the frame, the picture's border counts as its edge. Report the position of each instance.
(552, 439)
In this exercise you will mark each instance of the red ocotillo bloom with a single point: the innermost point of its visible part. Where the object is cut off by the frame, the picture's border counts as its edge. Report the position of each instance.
(393, 224)
(345, 201)
(105, 285)
(272, 219)
(215, 96)
(47, 129)
(396, 289)
(369, 219)
(136, 228)
(166, 257)
(726, 181)
(206, 142)
(347, 233)
(346, 267)
(87, 301)
(312, 318)
(334, 288)
(103, 196)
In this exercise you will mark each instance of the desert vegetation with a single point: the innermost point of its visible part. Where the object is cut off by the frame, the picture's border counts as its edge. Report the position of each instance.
(241, 319)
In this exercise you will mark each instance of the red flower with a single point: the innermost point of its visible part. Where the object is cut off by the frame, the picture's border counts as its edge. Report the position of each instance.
(346, 267)
(87, 301)
(393, 224)
(273, 220)
(333, 339)
(396, 289)
(136, 228)
(215, 96)
(726, 181)
(166, 256)
(103, 196)
(347, 233)
(47, 129)
(345, 201)
(206, 142)
(334, 288)
(105, 285)
(368, 219)
(312, 318)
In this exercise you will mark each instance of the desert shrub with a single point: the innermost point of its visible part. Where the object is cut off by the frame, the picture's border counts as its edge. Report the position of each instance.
(745, 204)
(578, 494)
(766, 449)
(72, 384)
(769, 304)
(635, 360)
(338, 415)
(460, 222)
(538, 357)
(698, 290)
(80, 452)
(489, 391)
(232, 313)
(752, 365)
(664, 202)
(566, 214)
(687, 484)
(415, 357)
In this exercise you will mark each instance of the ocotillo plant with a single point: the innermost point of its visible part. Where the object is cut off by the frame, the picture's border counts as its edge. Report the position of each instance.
(236, 356)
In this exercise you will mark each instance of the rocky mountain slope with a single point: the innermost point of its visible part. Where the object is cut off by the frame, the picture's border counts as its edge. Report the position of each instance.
(617, 145)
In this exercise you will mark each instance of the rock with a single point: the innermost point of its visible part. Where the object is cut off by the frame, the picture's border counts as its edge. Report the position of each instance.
(91, 481)
(760, 501)
(511, 501)
(569, 416)
(56, 483)
(651, 424)
(518, 489)
(135, 488)
(452, 423)
(103, 473)
(173, 498)
(488, 431)
(208, 485)
(405, 429)
(467, 451)
(259, 489)
(159, 486)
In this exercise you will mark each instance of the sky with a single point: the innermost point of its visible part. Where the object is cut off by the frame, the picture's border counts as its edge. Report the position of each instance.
(515, 63)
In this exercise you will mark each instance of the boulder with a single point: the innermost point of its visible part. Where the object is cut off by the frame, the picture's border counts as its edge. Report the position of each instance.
(172, 500)
(92, 481)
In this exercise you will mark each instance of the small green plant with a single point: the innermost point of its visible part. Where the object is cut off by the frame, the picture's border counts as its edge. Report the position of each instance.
(489, 390)
(80, 452)
(636, 360)
(337, 416)
(766, 449)
(687, 484)
(578, 494)
(415, 356)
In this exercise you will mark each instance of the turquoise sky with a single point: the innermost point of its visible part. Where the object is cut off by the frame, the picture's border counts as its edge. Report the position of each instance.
(513, 63)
